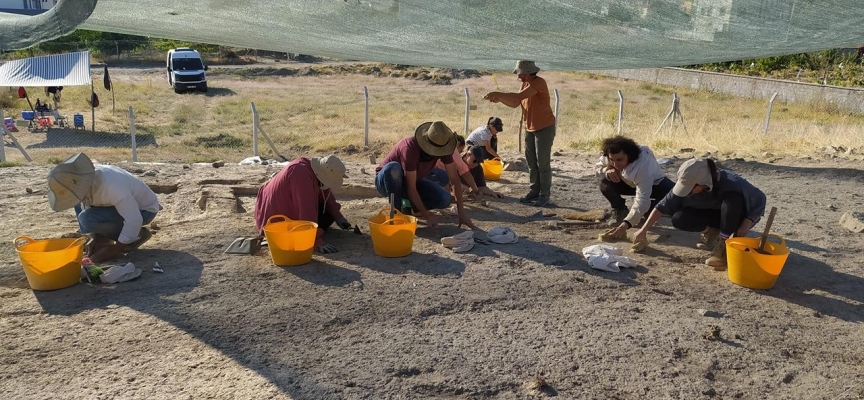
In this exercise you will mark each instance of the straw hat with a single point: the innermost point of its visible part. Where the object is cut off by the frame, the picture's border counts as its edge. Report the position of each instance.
(693, 172)
(70, 182)
(329, 170)
(435, 138)
(525, 67)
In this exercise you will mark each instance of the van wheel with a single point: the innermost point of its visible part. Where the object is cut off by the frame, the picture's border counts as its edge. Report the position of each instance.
(178, 90)
(203, 88)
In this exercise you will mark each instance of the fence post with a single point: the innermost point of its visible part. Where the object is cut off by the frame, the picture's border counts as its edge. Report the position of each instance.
(366, 116)
(3, 138)
(768, 114)
(254, 130)
(620, 110)
(132, 133)
(467, 110)
(557, 100)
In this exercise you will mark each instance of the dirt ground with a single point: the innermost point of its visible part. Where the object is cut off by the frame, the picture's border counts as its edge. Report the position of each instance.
(524, 320)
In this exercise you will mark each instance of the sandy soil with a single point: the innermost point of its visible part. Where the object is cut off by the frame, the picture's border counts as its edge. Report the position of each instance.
(525, 320)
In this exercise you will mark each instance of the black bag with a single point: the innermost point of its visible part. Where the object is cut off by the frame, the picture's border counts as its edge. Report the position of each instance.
(94, 100)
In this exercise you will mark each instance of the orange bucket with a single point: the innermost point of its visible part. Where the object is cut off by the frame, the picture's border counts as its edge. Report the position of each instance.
(393, 240)
(749, 268)
(52, 263)
(291, 242)
(492, 169)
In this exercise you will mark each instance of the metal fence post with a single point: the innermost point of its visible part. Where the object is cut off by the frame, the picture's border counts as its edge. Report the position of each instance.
(3, 138)
(254, 130)
(557, 100)
(366, 116)
(467, 111)
(768, 114)
(132, 134)
(620, 110)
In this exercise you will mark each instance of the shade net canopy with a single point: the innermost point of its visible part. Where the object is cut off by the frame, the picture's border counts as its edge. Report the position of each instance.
(487, 34)
(55, 70)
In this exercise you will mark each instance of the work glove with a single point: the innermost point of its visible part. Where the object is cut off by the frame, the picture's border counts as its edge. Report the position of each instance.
(344, 224)
(326, 249)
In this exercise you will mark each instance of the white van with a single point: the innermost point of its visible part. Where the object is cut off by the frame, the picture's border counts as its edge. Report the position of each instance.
(186, 70)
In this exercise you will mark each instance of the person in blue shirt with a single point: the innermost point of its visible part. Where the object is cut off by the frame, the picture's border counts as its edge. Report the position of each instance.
(706, 199)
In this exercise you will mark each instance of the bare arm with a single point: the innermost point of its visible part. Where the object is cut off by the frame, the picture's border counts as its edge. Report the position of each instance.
(512, 100)
(649, 223)
(413, 195)
(491, 150)
(457, 188)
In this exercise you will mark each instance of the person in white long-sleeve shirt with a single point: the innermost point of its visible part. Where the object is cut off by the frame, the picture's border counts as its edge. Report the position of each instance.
(629, 169)
(111, 205)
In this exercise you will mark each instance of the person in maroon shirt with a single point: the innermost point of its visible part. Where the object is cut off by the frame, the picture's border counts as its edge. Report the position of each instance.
(406, 170)
(302, 191)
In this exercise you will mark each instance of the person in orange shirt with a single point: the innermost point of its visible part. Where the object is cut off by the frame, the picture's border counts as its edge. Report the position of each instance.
(539, 120)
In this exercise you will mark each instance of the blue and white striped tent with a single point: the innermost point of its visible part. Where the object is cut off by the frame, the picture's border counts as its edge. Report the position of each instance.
(55, 70)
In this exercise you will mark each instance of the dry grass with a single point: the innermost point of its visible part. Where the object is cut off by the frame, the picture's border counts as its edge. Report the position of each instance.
(322, 114)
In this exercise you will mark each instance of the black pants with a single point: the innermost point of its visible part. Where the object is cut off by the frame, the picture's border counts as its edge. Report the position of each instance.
(324, 218)
(613, 192)
(728, 218)
(477, 173)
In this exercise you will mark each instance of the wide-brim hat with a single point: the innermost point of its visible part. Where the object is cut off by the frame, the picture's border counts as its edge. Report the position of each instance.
(435, 138)
(70, 182)
(693, 172)
(329, 170)
(525, 67)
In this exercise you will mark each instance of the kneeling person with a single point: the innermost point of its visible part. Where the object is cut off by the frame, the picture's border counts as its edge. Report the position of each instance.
(111, 205)
(302, 191)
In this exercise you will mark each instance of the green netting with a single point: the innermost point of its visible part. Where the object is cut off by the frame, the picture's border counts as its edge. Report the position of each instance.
(488, 34)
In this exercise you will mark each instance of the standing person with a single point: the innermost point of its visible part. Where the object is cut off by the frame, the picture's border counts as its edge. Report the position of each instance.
(539, 120)
(303, 191)
(716, 202)
(629, 169)
(111, 205)
(486, 137)
(405, 172)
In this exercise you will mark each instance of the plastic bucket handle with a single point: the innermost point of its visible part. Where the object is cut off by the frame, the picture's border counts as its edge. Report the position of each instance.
(283, 218)
(21, 241)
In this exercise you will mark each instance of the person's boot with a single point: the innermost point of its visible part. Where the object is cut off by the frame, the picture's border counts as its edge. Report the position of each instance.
(542, 201)
(143, 236)
(708, 238)
(620, 214)
(530, 197)
(96, 242)
(718, 256)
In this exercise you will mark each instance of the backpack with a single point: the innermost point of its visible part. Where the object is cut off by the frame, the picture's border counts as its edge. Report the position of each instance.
(94, 100)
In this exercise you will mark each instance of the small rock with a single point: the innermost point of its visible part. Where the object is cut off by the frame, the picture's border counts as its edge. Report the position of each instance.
(707, 155)
(516, 166)
(218, 164)
(548, 214)
(853, 221)
(202, 202)
(687, 150)
(136, 171)
(788, 378)
(28, 190)
(710, 392)
(712, 333)
(151, 173)
(767, 155)
(708, 313)
(817, 314)
(363, 171)
(372, 159)
(154, 226)
(185, 166)
(556, 154)
(832, 207)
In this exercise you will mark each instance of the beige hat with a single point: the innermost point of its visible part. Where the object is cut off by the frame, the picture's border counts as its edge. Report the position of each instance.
(525, 67)
(693, 172)
(329, 170)
(435, 138)
(70, 182)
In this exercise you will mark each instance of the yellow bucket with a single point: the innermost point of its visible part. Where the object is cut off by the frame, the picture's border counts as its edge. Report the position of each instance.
(392, 240)
(749, 268)
(492, 169)
(52, 263)
(291, 242)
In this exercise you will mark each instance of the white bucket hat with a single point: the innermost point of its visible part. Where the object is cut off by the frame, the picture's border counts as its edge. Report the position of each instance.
(525, 67)
(502, 235)
(329, 170)
(435, 138)
(70, 182)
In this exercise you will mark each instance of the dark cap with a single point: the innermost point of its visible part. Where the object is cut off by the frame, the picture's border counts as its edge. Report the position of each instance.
(497, 123)
(477, 152)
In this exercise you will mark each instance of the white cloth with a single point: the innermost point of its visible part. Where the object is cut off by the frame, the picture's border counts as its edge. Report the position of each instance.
(502, 235)
(120, 273)
(607, 258)
(114, 187)
(480, 136)
(641, 174)
(459, 243)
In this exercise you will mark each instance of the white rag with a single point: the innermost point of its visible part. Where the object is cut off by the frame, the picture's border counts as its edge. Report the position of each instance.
(607, 258)
(502, 235)
(120, 273)
(459, 243)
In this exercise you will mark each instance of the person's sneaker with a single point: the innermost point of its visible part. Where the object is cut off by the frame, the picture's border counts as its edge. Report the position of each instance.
(708, 238)
(143, 236)
(718, 257)
(529, 198)
(542, 201)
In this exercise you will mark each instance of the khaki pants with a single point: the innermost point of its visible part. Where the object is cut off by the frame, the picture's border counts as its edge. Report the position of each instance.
(538, 154)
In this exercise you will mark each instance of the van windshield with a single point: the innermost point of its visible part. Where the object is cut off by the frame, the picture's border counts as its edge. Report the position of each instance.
(188, 64)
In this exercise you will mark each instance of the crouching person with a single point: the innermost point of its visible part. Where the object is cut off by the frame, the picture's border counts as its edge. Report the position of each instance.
(111, 205)
(302, 191)
(716, 202)
(407, 173)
